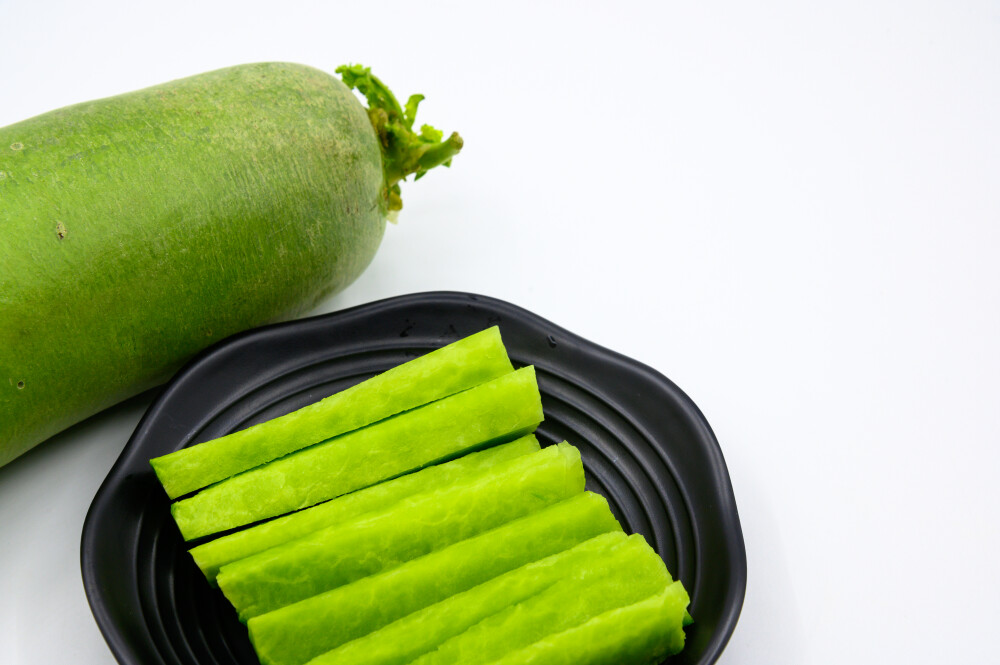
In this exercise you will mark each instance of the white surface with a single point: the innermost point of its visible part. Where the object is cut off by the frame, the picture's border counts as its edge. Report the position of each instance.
(790, 210)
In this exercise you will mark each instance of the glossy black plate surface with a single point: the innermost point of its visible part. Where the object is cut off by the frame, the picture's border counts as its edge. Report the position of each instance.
(645, 446)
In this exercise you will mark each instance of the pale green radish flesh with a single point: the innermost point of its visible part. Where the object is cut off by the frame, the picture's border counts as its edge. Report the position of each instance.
(309, 628)
(639, 634)
(506, 407)
(413, 527)
(424, 630)
(440, 373)
(235, 546)
(626, 576)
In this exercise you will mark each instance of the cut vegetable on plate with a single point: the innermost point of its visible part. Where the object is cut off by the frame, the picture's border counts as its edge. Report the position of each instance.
(641, 633)
(410, 528)
(625, 576)
(440, 373)
(397, 555)
(297, 632)
(502, 409)
(216, 553)
(422, 631)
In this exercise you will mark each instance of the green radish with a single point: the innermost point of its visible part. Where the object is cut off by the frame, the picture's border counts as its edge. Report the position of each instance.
(499, 410)
(137, 230)
(638, 634)
(415, 526)
(294, 633)
(451, 369)
(420, 631)
(211, 556)
(618, 579)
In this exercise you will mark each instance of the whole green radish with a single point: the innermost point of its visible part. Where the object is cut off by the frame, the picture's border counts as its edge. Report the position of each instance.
(137, 230)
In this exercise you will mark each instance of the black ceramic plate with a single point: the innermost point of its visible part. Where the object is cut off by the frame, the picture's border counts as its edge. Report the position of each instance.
(645, 446)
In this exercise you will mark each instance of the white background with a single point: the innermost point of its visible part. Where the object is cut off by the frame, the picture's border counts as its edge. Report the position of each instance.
(791, 209)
